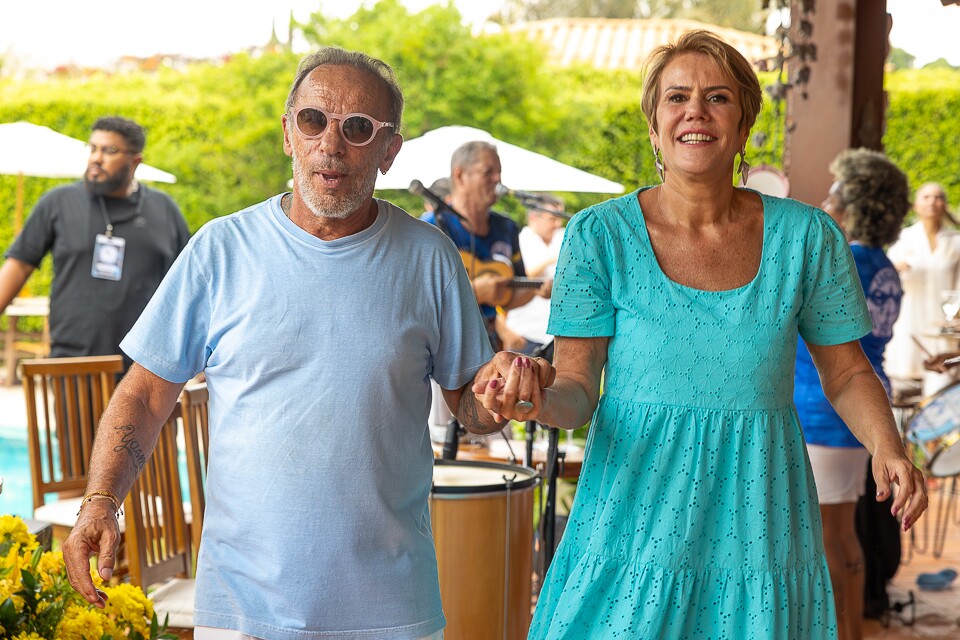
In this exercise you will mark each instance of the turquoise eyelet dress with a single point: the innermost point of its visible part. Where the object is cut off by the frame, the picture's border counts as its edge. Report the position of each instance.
(695, 513)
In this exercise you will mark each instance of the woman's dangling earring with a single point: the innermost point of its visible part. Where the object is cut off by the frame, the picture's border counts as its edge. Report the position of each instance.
(658, 163)
(744, 169)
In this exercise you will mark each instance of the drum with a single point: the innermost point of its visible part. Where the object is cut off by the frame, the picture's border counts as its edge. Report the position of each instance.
(935, 428)
(482, 516)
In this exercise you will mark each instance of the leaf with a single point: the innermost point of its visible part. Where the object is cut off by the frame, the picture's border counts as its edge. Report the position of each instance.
(29, 581)
(7, 612)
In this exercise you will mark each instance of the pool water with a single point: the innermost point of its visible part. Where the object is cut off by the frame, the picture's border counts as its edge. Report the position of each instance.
(17, 496)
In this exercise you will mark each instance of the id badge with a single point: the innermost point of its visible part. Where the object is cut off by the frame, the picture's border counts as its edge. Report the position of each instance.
(108, 257)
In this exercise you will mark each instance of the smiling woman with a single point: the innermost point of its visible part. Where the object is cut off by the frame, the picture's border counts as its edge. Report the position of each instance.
(696, 513)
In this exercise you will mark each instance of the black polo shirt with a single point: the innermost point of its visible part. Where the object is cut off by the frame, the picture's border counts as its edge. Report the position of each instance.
(90, 316)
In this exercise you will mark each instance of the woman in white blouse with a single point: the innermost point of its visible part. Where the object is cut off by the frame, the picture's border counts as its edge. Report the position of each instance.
(927, 256)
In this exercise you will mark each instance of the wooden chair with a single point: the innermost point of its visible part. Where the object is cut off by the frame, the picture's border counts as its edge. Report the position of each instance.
(157, 531)
(196, 440)
(17, 343)
(65, 399)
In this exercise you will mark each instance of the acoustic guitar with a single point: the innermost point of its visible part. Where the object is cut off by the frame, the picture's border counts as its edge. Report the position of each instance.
(477, 268)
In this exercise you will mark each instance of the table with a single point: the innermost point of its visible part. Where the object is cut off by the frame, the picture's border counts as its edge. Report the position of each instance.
(14, 343)
(496, 450)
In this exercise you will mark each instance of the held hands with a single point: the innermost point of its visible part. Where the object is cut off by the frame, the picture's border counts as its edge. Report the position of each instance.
(893, 466)
(509, 386)
(96, 532)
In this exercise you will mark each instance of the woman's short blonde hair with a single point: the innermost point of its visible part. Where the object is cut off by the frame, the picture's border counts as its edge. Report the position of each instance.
(730, 61)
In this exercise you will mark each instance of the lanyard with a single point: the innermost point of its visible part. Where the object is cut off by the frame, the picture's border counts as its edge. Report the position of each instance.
(136, 212)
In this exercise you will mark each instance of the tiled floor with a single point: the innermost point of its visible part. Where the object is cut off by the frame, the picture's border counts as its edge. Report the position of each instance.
(936, 614)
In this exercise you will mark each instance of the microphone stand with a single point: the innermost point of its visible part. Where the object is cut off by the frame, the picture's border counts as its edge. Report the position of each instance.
(451, 443)
(554, 460)
(551, 472)
(529, 204)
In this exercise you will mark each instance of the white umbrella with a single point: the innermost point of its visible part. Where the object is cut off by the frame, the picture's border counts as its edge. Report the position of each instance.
(428, 157)
(31, 150)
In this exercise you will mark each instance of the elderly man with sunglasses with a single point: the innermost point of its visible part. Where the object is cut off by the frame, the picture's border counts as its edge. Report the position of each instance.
(112, 241)
(320, 317)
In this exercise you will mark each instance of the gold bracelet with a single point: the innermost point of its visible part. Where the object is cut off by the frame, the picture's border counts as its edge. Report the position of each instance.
(93, 495)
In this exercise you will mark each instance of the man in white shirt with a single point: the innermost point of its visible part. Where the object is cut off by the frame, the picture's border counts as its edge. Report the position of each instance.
(525, 328)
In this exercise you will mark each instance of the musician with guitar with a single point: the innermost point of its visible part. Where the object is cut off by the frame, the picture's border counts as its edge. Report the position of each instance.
(489, 242)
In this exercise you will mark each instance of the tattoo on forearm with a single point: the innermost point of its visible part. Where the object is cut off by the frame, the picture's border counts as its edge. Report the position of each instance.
(130, 444)
(468, 409)
(470, 415)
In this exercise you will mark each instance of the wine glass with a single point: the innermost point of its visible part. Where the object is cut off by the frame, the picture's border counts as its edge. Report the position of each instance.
(950, 304)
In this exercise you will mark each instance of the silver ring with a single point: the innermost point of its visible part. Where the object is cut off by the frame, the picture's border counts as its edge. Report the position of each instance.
(523, 406)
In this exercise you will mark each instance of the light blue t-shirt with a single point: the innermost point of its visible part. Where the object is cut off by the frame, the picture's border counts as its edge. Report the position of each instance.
(318, 357)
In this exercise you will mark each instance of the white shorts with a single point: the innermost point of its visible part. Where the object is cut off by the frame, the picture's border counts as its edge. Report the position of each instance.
(840, 472)
(212, 633)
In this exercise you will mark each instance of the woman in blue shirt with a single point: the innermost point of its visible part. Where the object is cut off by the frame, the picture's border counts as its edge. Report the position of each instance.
(869, 200)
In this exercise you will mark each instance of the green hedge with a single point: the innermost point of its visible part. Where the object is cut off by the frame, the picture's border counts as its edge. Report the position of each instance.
(923, 127)
(217, 127)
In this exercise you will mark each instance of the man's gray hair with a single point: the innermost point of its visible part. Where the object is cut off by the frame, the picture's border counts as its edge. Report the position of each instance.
(335, 56)
(468, 154)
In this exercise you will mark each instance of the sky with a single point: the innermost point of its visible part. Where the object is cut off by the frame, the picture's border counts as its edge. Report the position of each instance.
(47, 33)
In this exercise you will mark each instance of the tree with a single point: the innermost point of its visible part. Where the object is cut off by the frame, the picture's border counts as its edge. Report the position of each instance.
(939, 63)
(498, 82)
(736, 14)
(527, 10)
(900, 59)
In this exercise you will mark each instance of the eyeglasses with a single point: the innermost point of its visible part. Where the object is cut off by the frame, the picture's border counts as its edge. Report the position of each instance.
(105, 150)
(357, 129)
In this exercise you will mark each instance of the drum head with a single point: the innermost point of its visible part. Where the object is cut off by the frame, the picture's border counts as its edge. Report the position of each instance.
(463, 476)
(938, 416)
(945, 463)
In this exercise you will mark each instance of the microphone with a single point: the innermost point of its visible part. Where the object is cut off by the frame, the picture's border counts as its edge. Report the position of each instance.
(416, 188)
(452, 440)
(530, 200)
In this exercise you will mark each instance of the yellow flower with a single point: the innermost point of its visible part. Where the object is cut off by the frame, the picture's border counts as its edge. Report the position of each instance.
(50, 566)
(81, 623)
(14, 529)
(127, 610)
(7, 588)
(14, 532)
(97, 580)
(128, 603)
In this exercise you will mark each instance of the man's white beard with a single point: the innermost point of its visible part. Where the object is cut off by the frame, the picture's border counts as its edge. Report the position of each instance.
(324, 206)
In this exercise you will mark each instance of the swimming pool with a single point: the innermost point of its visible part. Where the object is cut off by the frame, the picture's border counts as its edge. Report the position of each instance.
(16, 498)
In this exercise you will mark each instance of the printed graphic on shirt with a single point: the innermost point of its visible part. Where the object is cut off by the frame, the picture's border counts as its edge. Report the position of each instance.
(883, 301)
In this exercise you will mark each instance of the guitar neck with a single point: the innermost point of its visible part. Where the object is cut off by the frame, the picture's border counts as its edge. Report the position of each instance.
(527, 283)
